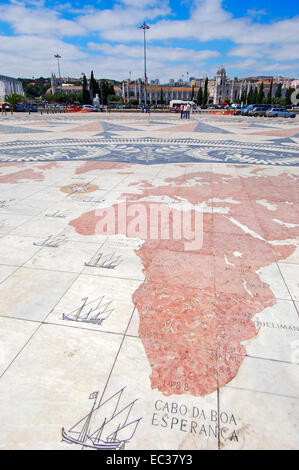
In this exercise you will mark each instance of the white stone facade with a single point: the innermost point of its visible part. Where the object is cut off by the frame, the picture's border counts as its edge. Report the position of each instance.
(219, 89)
(9, 86)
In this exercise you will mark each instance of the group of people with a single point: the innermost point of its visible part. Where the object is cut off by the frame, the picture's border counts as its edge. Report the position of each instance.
(146, 108)
(185, 111)
(5, 108)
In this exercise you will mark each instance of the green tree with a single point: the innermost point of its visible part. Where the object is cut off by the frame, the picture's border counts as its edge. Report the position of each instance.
(249, 96)
(93, 86)
(34, 88)
(278, 91)
(66, 98)
(269, 96)
(161, 96)
(205, 93)
(15, 99)
(104, 92)
(114, 98)
(192, 93)
(111, 90)
(85, 91)
(243, 95)
(199, 97)
(261, 94)
(254, 95)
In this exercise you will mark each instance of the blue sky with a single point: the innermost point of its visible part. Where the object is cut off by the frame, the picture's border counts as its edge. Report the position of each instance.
(187, 36)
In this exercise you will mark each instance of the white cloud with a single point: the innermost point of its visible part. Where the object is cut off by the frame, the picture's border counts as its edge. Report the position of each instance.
(38, 20)
(122, 16)
(162, 54)
(208, 21)
(40, 32)
(281, 52)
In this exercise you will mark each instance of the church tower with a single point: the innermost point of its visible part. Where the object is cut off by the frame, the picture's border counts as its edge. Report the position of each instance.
(221, 76)
(220, 85)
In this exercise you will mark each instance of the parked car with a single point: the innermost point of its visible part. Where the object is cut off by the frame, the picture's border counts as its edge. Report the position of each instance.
(20, 107)
(32, 108)
(280, 112)
(89, 107)
(73, 108)
(237, 111)
(245, 111)
(259, 110)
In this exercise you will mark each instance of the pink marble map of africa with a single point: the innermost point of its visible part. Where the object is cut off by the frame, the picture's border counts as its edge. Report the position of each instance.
(196, 307)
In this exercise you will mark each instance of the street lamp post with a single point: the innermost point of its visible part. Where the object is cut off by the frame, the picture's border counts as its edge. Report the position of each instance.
(57, 56)
(144, 27)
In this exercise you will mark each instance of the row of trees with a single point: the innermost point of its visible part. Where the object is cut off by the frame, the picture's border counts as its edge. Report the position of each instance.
(255, 95)
(203, 96)
(36, 88)
(104, 90)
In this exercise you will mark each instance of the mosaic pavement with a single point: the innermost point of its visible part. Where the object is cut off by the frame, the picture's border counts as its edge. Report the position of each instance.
(117, 333)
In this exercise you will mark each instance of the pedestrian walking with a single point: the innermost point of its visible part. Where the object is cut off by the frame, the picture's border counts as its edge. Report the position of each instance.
(182, 111)
(187, 111)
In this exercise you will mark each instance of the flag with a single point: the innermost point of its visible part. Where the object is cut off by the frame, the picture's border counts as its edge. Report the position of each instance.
(93, 395)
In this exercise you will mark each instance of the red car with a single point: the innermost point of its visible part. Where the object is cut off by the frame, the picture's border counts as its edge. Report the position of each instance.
(73, 108)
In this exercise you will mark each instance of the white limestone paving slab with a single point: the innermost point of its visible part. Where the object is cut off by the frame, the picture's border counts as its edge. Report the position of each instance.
(10, 221)
(31, 294)
(50, 194)
(28, 206)
(16, 250)
(37, 227)
(271, 275)
(40, 397)
(133, 329)
(70, 256)
(264, 420)
(6, 271)
(123, 261)
(290, 275)
(14, 335)
(278, 333)
(166, 420)
(260, 375)
(66, 211)
(94, 292)
(19, 191)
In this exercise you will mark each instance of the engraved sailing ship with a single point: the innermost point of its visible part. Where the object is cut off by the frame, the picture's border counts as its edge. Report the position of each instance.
(102, 429)
(94, 312)
(108, 261)
(52, 241)
(57, 213)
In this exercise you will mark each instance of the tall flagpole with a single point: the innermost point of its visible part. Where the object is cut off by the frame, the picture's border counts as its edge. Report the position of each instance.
(144, 27)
